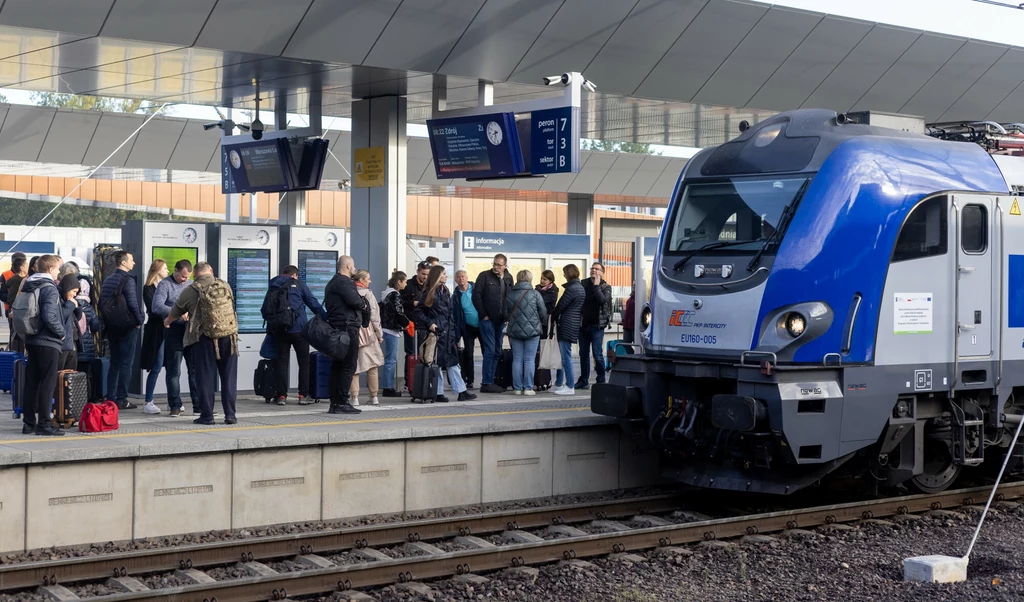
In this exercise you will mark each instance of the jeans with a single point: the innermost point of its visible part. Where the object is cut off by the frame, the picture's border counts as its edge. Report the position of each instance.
(566, 351)
(454, 380)
(469, 336)
(490, 341)
(208, 367)
(174, 352)
(524, 362)
(285, 343)
(591, 337)
(122, 354)
(389, 369)
(154, 374)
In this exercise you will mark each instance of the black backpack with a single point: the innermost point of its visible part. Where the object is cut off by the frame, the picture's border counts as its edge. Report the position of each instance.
(278, 309)
(114, 310)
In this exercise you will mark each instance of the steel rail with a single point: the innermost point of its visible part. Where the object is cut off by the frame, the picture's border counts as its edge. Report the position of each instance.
(31, 574)
(319, 581)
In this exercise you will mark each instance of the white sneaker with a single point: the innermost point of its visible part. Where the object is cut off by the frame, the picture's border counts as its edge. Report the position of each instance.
(354, 402)
(529, 392)
(373, 401)
(565, 391)
(517, 392)
(150, 408)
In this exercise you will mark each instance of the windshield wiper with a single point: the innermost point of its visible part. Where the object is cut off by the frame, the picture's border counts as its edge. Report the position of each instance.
(718, 244)
(787, 214)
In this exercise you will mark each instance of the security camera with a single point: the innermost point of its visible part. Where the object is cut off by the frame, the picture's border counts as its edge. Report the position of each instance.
(257, 129)
(209, 126)
(557, 79)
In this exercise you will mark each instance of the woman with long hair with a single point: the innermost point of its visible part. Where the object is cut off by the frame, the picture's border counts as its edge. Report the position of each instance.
(434, 313)
(370, 338)
(152, 334)
(569, 314)
(393, 321)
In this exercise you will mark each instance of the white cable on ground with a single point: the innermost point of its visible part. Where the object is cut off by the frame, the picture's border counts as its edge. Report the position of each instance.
(68, 195)
(992, 495)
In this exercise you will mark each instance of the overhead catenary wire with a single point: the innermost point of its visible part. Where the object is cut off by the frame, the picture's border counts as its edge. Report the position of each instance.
(93, 172)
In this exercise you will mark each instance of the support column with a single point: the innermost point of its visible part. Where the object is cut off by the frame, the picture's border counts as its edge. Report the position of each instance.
(377, 219)
(581, 214)
(291, 210)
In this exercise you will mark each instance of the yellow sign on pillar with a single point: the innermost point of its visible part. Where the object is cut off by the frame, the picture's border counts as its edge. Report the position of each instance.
(1014, 208)
(368, 168)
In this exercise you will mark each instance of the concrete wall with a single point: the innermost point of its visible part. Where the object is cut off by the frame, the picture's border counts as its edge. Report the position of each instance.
(71, 503)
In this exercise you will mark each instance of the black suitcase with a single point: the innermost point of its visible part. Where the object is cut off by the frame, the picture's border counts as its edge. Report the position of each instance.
(503, 375)
(70, 397)
(18, 387)
(424, 383)
(541, 377)
(263, 381)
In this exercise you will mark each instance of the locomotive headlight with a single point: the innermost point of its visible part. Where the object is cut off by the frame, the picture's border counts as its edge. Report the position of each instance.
(645, 316)
(795, 325)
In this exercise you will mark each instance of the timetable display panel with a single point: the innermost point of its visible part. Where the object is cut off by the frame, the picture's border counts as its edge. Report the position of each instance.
(316, 268)
(249, 278)
(173, 255)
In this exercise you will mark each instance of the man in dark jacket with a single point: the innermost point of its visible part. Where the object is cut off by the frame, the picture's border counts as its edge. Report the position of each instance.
(344, 307)
(410, 297)
(122, 343)
(299, 298)
(597, 314)
(489, 292)
(44, 349)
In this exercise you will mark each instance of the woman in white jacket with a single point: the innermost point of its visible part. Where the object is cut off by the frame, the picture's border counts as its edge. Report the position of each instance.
(370, 337)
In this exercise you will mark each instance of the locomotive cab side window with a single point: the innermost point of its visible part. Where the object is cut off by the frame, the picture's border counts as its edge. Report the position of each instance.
(924, 233)
(974, 229)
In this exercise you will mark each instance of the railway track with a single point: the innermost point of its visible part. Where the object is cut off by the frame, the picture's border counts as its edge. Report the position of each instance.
(347, 559)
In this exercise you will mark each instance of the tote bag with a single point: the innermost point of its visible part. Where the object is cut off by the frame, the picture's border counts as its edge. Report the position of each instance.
(550, 355)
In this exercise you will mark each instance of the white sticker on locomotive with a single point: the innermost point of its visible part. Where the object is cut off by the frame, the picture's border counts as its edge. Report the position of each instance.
(687, 318)
(912, 313)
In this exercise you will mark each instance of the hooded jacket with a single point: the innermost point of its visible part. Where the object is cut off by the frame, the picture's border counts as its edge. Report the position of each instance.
(569, 311)
(299, 298)
(526, 312)
(392, 312)
(51, 312)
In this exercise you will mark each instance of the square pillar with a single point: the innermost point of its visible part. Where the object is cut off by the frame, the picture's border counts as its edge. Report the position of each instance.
(581, 214)
(377, 219)
(291, 210)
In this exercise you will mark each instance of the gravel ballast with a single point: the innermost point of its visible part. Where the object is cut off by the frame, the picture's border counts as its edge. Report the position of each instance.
(864, 562)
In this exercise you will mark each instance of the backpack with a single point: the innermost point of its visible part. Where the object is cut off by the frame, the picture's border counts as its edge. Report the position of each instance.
(114, 310)
(217, 311)
(277, 310)
(25, 313)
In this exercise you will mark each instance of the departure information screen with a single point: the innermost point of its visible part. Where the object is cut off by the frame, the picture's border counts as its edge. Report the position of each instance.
(249, 278)
(262, 165)
(484, 146)
(316, 268)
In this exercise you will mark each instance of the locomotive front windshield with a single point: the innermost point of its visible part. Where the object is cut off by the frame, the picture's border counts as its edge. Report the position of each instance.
(737, 212)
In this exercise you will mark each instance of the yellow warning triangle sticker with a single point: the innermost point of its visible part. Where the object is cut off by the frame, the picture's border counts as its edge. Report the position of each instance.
(1014, 208)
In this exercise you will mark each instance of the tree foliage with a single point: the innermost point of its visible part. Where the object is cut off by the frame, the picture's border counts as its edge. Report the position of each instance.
(28, 213)
(92, 103)
(610, 146)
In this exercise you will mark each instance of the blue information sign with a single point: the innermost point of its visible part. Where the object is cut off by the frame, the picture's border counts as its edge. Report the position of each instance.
(555, 141)
(517, 242)
(481, 146)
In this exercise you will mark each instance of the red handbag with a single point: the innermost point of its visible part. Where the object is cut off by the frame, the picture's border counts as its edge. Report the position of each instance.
(99, 417)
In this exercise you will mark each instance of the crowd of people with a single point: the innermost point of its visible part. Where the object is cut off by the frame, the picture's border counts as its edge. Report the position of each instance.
(187, 315)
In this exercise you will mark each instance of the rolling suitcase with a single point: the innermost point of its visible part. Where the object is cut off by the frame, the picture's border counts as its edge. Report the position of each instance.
(411, 361)
(70, 397)
(18, 386)
(541, 377)
(99, 369)
(7, 359)
(319, 377)
(424, 383)
(263, 381)
(503, 375)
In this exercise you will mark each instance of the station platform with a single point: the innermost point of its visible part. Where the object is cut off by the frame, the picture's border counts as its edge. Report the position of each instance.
(158, 476)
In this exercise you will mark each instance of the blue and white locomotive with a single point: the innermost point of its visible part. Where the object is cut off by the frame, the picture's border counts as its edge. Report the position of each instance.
(831, 295)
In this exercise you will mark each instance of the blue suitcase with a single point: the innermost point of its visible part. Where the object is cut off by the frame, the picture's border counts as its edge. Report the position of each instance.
(99, 368)
(319, 377)
(7, 359)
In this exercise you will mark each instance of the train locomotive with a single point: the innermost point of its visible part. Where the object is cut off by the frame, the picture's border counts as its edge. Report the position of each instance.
(833, 293)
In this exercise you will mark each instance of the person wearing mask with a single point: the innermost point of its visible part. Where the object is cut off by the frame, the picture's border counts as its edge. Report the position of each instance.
(44, 349)
(468, 320)
(629, 317)
(121, 330)
(568, 313)
(526, 313)
(164, 298)
(394, 322)
(152, 359)
(210, 357)
(370, 338)
(410, 297)
(435, 313)
(597, 314)
(299, 298)
(19, 271)
(344, 307)
(489, 293)
(68, 288)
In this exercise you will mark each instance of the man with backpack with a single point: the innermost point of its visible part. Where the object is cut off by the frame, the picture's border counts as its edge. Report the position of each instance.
(39, 315)
(211, 339)
(122, 315)
(284, 309)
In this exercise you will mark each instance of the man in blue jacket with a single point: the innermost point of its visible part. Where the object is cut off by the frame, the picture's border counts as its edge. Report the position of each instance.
(121, 330)
(299, 298)
(44, 349)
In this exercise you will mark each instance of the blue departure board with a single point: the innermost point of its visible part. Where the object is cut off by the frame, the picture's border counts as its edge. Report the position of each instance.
(481, 146)
(555, 141)
(316, 268)
(249, 279)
